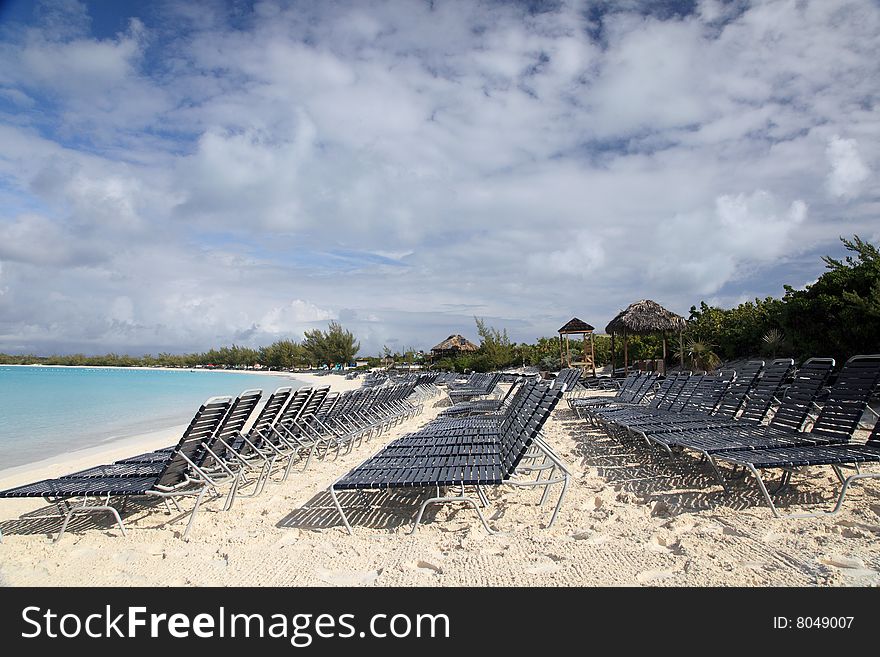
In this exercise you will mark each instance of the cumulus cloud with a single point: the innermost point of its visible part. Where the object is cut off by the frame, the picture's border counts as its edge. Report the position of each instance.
(292, 316)
(848, 171)
(204, 173)
(38, 240)
(708, 249)
(582, 255)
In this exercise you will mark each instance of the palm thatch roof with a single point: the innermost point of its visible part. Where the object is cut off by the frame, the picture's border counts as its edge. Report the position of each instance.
(575, 325)
(455, 343)
(645, 316)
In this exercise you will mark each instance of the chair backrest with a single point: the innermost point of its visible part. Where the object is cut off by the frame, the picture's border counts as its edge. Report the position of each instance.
(798, 399)
(624, 391)
(516, 385)
(760, 398)
(295, 406)
(520, 438)
(233, 423)
(343, 403)
(327, 406)
(520, 416)
(201, 428)
(629, 391)
(646, 385)
(494, 380)
(315, 401)
(848, 398)
(666, 385)
(270, 411)
(514, 402)
(649, 384)
(708, 393)
(735, 396)
(518, 408)
(685, 392)
(567, 377)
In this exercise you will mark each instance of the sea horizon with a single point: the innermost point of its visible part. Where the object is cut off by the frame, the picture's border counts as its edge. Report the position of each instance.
(50, 410)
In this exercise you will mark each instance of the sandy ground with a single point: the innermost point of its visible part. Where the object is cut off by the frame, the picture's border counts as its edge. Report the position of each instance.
(631, 517)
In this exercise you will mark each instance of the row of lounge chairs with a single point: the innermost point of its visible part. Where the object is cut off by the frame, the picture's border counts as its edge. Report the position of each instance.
(224, 449)
(456, 454)
(756, 421)
(479, 385)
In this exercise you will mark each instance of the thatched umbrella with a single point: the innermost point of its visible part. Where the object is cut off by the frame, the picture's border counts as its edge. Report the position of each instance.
(643, 317)
(576, 326)
(453, 344)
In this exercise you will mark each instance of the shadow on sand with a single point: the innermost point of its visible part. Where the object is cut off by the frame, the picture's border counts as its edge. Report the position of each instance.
(373, 509)
(683, 484)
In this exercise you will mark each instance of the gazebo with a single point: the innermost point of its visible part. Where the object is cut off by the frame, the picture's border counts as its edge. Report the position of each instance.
(644, 317)
(576, 326)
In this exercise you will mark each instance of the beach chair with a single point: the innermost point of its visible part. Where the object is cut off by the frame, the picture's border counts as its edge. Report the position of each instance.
(714, 399)
(735, 411)
(243, 447)
(828, 443)
(788, 420)
(634, 382)
(483, 388)
(94, 495)
(477, 434)
(482, 406)
(674, 390)
(486, 423)
(491, 465)
(642, 393)
(568, 377)
(280, 442)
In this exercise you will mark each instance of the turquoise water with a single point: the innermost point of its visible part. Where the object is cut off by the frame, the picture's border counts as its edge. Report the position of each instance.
(46, 411)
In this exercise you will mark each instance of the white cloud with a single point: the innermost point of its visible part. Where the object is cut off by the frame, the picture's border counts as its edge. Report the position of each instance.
(290, 318)
(403, 166)
(848, 171)
(122, 310)
(580, 258)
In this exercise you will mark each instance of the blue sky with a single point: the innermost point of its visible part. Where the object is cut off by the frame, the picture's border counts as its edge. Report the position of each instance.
(176, 176)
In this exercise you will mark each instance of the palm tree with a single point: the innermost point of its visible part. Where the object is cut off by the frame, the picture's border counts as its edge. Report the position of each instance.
(700, 354)
(773, 341)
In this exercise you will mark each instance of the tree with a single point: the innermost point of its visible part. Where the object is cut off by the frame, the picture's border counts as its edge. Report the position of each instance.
(336, 345)
(700, 354)
(282, 354)
(495, 346)
(838, 314)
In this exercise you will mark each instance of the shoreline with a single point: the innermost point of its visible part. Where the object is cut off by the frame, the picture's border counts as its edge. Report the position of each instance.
(160, 367)
(115, 448)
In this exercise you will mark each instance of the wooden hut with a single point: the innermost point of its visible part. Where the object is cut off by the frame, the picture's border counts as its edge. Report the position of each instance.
(452, 346)
(577, 326)
(644, 317)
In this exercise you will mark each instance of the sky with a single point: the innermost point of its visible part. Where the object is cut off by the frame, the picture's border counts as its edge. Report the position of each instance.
(181, 176)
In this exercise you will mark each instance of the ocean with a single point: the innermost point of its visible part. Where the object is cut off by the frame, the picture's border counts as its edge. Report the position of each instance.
(46, 411)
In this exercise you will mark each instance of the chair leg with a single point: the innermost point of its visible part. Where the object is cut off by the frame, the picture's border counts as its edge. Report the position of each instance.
(88, 509)
(444, 500)
(192, 515)
(233, 489)
(559, 501)
(339, 509)
(843, 489)
(309, 457)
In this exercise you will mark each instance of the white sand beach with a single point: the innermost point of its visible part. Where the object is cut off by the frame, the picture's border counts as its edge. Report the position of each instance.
(630, 518)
